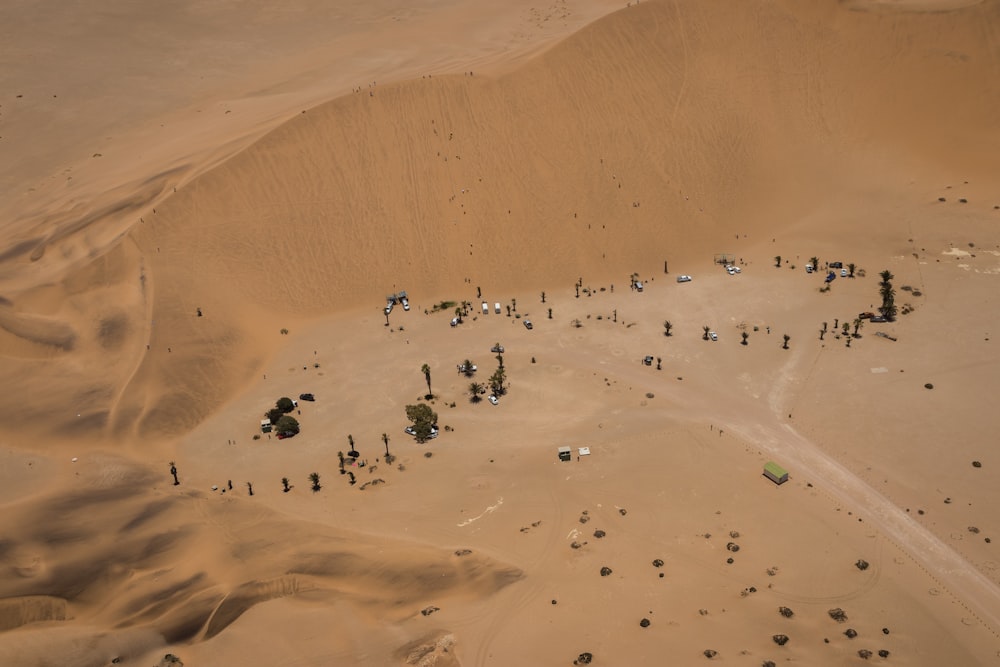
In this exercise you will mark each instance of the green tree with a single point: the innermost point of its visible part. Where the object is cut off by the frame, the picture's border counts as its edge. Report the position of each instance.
(285, 404)
(274, 414)
(498, 382)
(857, 326)
(888, 294)
(458, 314)
(706, 329)
(847, 328)
(543, 297)
(475, 391)
(467, 367)
(288, 425)
(745, 335)
(424, 420)
(787, 338)
(352, 452)
(314, 478)
(340, 457)
(513, 304)
(426, 370)
(815, 263)
(777, 261)
(850, 270)
(286, 487)
(667, 326)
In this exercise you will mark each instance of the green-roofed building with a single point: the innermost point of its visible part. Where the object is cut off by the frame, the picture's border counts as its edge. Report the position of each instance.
(775, 473)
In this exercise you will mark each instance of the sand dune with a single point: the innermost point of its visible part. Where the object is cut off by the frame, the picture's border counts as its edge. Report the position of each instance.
(155, 302)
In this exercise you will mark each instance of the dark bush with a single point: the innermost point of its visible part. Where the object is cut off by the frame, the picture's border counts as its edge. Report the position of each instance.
(780, 640)
(605, 571)
(861, 564)
(851, 633)
(285, 404)
(786, 612)
(838, 615)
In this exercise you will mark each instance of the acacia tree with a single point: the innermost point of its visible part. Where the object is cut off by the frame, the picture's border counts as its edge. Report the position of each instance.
(850, 269)
(815, 263)
(667, 326)
(314, 478)
(787, 338)
(424, 419)
(287, 425)
(777, 261)
(350, 441)
(745, 336)
(286, 487)
(426, 370)
(706, 329)
(543, 297)
(173, 471)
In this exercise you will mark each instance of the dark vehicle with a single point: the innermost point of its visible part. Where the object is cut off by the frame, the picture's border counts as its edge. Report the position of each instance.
(836, 265)
(830, 277)
(498, 349)
(286, 434)
(306, 397)
(648, 361)
(865, 316)
(879, 318)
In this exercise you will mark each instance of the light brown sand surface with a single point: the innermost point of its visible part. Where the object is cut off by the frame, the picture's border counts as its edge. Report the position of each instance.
(325, 156)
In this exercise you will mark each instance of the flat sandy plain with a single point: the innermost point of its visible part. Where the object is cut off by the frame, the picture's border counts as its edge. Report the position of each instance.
(282, 170)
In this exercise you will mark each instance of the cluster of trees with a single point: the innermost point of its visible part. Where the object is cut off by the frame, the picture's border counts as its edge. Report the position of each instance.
(888, 294)
(280, 419)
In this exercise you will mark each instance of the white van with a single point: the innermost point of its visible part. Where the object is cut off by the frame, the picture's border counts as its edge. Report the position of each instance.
(496, 307)
(486, 308)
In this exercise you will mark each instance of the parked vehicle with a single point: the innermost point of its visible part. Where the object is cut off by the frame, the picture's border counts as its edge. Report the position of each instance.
(496, 307)
(683, 279)
(406, 303)
(809, 268)
(648, 360)
(843, 273)
(306, 397)
(486, 308)
(498, 349)
(528, 325)
(412, 431)
(454, 321)
(492, 399)
(714, 336)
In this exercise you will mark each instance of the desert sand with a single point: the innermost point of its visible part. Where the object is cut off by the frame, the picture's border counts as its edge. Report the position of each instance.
(204, 211)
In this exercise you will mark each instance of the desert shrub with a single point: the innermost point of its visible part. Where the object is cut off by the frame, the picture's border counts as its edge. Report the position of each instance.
(862, 564)
(851, 633)
(786, 612)
(864, 654)
(838, 615)
(657, 563)
(883, 653)
(709, 653)
(644, 623)
(780, 640)
(605, 571)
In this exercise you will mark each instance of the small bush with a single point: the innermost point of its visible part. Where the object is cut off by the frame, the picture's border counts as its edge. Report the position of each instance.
(838, 615)
(709, 653)
(786, 612)
(862, 564)
(780, 640)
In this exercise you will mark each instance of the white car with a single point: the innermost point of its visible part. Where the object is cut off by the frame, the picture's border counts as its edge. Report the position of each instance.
(486, 308)
(809, 268)
(683, 279)
(528, 324)
(388, 308)
(714, 336)
(730, 270)
(454, 321)
(737, 269)
(412, 431)
(496, 307)
(843, 273)
(406, 304)
(492, 399)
